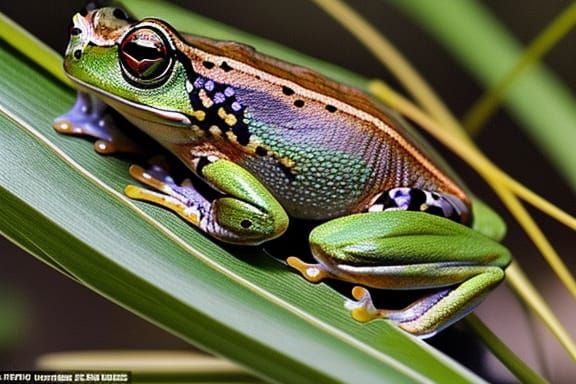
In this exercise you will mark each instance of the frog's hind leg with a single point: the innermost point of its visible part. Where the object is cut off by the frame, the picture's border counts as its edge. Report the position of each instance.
(396, 199)
(420, 200)
(430, 314)
(427, 315)
(405, 250)
(92, 118)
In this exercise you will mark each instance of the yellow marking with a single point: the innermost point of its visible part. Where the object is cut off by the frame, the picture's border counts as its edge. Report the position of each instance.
(228, 118)
(255, 143)
(232, 137)
(215, 130)
(231, 120)
(206, 100)
(199, 115)
(198, 132)
(287, 162)
(251, 147)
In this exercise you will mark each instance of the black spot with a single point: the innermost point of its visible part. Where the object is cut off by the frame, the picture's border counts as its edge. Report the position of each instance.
(288, 173)
(261, 151)
(75, 31)
(246, 223)
(202, 162)
(83, 12)
(257, 77)
(208, 64)
(77, 54)
(386, 201)
(120, 14)
(240, 129)
(417, 198)
(433, 210)
(242, 134)
(331, 108)
(299, 103)
(225, 67)
(287, 91)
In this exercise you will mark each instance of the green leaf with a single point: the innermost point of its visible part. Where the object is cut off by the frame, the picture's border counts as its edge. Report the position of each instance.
(64, 204)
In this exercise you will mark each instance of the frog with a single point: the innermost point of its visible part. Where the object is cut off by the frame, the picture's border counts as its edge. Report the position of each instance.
(277, 142)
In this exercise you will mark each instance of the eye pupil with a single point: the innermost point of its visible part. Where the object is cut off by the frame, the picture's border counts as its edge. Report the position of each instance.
(144, 56)
(144, 60)
(142, 52)
(120, 14)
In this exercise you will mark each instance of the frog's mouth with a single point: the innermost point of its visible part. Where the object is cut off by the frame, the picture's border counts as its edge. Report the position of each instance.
(135, 111)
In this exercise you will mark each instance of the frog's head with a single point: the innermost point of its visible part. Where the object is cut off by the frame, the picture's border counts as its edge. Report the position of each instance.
(137, 68)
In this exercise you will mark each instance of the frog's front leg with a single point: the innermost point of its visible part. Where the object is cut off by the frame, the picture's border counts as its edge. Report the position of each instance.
(92, 118)
(407, 250)
(246, 213)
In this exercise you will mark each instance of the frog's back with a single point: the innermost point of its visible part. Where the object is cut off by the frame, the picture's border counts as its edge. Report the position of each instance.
(324, 149)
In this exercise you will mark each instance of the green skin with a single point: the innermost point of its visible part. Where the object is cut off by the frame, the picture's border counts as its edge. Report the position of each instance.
(394, 250)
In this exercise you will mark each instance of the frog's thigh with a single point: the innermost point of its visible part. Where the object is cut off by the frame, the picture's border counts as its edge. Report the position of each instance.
(398, 250)
(246, 213)
(407, 250)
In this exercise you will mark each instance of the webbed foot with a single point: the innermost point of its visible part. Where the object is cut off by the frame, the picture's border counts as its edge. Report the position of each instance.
(92, 118)
(363, 308)
(419, 318)
(182, 199)
(314, 273)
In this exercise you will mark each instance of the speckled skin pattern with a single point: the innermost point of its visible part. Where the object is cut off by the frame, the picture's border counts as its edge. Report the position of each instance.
(336, 166)
(337, 162)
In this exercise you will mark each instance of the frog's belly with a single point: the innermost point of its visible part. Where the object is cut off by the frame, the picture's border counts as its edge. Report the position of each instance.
(316, 191)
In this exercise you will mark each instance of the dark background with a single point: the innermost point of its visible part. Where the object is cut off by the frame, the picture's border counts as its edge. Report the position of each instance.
(60, 315)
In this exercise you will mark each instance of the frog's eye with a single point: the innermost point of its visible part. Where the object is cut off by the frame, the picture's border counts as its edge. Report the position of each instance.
(145, 57)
